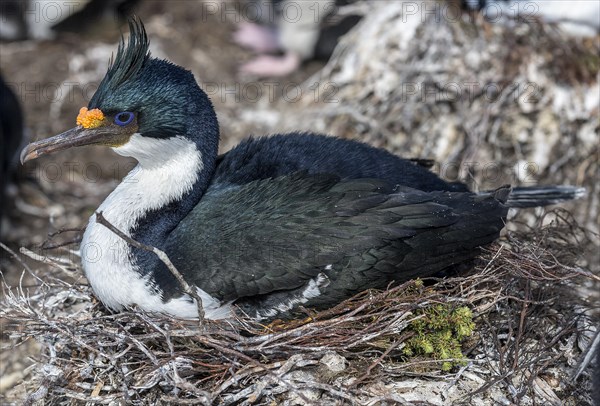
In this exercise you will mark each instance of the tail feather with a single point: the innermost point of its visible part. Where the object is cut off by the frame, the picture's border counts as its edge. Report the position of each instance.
(537, 196)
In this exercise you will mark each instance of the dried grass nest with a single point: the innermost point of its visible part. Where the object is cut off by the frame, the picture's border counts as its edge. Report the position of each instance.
(531, 330)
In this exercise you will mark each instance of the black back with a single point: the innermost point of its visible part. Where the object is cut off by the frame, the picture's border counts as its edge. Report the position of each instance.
(270, 157)
(281, 210)
(251, 240)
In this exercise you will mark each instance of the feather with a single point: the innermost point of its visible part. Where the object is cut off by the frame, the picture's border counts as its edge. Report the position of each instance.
(128, 62)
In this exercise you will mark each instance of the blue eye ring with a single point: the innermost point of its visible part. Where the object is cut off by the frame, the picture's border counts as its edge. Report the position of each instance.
(123, 118)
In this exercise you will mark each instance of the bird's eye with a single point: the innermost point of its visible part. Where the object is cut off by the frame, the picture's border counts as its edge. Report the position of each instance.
(124, 118)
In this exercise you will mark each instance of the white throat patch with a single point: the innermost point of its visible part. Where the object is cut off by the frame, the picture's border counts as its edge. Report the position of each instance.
(167, 169)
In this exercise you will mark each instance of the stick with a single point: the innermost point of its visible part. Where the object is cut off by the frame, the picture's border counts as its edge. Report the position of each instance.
(23, 264)
(100, 219)
(591, 350)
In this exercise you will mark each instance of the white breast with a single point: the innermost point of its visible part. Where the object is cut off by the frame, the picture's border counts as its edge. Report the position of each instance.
(106, 258)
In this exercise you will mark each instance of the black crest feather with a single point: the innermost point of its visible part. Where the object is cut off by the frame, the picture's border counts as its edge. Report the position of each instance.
(128, 62)
(130, 59)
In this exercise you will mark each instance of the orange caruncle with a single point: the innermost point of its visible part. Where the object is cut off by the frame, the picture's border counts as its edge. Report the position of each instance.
(90, 118)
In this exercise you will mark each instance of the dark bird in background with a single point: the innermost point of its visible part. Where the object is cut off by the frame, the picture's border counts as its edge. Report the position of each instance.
(295, 219)
(285, 33)
(43, 19)
(11, 134)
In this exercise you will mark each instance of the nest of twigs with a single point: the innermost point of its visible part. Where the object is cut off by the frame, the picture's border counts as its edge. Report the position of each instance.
(530, 333)
(406, 83)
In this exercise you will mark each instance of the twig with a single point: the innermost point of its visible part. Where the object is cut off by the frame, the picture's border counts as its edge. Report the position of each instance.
(23, 264)
(591, 350)
(379, 359)
(248, 363)
(522, 320)
(47, 245)
(218, 346)
(45, 259)
(66, 230)
(100, 219)
(51, 376)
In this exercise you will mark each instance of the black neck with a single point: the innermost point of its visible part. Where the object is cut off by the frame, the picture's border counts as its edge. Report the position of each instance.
(154, 227)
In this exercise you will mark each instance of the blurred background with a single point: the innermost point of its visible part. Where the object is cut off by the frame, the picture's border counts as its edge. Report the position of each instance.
(485, 92)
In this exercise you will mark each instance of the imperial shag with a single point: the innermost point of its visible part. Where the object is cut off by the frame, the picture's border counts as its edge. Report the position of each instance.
(43, 19)
(296, 219)
(310, 34)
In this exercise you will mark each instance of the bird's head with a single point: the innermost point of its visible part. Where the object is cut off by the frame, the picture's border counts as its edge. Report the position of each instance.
(140, 101)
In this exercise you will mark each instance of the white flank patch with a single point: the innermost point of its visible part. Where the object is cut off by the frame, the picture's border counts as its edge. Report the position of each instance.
(314, 287)
(167, 170)
(312, 290)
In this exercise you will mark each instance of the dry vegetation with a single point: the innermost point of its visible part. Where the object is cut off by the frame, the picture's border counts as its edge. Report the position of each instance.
(533, 295)
(531, 328)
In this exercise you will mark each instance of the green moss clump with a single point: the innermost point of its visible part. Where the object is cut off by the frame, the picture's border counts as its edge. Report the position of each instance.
(439, 334)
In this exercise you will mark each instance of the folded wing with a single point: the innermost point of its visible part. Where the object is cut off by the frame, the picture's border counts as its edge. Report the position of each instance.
(278, 235)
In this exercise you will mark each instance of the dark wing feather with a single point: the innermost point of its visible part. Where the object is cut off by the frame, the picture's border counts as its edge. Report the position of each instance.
(277, 234)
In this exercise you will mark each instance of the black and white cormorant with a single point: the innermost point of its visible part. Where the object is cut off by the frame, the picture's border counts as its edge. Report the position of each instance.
(296, 219)
(285, 33)
(43, 19)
